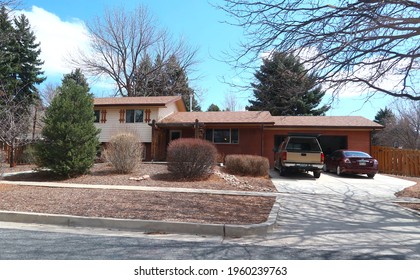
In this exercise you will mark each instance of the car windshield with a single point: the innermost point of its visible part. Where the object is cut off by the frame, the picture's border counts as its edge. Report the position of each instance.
(356, 154)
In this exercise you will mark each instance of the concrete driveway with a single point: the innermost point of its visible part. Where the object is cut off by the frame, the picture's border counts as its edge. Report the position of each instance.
(345, 217)
(381, 187)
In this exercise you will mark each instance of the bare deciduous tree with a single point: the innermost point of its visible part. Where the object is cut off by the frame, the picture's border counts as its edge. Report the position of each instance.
(15, 125)
(11, 4)
(373, 44)
(402, 128)
(120, 40)
(231, 102)
(47, 94)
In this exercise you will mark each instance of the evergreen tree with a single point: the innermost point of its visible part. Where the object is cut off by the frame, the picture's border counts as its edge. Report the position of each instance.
(285, 88)
(6, 54)
(70, 138)
(20, 72)
(20, 66)
(384, 115)
(213, 108)
(28, 65)
(164, 78)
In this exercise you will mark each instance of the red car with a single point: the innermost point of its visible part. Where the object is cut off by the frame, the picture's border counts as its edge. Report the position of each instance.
(351, 162)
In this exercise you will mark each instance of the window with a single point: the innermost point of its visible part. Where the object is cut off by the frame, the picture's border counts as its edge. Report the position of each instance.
(223, 136)
(132, 116)
(97, 115)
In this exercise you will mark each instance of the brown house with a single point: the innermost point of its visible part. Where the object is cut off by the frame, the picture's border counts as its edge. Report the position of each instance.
(159, 120)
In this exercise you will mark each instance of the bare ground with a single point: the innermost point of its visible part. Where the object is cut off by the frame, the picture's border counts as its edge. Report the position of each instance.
(413, 191)
(183, 207)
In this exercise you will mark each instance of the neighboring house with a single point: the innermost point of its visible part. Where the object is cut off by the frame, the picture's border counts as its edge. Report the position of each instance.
(159, 120)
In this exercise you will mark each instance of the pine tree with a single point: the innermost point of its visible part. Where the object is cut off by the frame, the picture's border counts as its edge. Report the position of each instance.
(6, 54)
(20, 72)
(213, 108)
(384, 115)
(28, 65)
(285, 88)
(20, 66)
(70, 139)
(164, 78)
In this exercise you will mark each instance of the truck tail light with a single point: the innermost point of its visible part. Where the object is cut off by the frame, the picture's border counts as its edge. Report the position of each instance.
(322, 157)
(284, 156)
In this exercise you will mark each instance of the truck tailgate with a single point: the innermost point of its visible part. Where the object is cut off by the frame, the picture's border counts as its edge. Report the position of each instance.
(304, 157)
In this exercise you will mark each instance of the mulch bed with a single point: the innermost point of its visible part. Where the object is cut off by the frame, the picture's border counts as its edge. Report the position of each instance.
(146, 205)
(186, 207)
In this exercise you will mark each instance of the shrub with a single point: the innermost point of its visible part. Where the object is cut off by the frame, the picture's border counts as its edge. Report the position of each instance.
(247, 165)
(124, 152)
(191, 158)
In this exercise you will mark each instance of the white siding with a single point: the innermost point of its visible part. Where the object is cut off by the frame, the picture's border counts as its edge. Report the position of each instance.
(113, 126)
(164, 112)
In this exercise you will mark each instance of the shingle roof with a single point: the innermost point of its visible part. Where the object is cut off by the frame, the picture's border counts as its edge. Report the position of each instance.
(245, 117)
(149, 100)
(325, 121)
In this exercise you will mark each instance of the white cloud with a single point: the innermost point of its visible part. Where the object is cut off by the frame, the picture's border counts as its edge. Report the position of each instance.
(58, 39)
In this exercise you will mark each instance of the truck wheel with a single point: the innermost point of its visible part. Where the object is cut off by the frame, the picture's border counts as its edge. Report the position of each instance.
(317, 174)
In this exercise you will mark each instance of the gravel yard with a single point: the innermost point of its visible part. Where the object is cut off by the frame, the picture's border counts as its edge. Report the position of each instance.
(147, 205)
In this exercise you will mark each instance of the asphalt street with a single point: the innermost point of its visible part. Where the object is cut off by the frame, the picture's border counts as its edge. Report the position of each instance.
(328, 218)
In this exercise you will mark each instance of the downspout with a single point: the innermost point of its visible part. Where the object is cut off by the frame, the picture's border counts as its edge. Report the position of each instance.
(262, 139)
(153, 146)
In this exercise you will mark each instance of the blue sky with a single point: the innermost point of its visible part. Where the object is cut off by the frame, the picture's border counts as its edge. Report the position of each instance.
(59, 26)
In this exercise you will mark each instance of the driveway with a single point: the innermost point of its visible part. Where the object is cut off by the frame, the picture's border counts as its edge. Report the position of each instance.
(351, 214)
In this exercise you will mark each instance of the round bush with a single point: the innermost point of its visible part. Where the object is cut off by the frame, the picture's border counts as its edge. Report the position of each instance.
(125, 152)
(190, 158)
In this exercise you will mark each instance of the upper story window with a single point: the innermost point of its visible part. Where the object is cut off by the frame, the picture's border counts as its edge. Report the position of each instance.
(134, 116)
(97, 115)
(223, 136)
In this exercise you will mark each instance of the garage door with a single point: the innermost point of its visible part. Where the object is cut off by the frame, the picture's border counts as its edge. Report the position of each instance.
(331, 143)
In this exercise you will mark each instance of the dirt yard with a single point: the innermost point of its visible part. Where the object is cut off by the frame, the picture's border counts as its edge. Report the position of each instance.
(413, 191)
(203, 208)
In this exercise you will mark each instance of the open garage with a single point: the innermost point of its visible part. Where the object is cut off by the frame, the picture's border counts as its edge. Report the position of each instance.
(334, 132)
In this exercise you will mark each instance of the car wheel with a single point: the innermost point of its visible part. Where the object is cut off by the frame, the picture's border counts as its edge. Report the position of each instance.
(324, 168)
(338, 171)
(371, 175)
(282, 171)
(317, 174)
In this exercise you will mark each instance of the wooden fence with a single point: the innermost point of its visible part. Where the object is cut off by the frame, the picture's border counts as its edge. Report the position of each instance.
(5, 150)
(397, 161)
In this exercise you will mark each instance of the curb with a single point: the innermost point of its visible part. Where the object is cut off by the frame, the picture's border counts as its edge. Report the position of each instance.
(226, 230)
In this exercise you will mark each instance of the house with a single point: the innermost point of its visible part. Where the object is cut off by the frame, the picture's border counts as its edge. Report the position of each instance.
(133, 114)
(159, 120)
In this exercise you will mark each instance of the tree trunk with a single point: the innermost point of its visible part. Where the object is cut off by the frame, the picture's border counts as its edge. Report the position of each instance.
(12, 156)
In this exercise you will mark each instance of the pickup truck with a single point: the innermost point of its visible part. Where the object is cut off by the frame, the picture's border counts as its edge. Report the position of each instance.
(299, 153)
